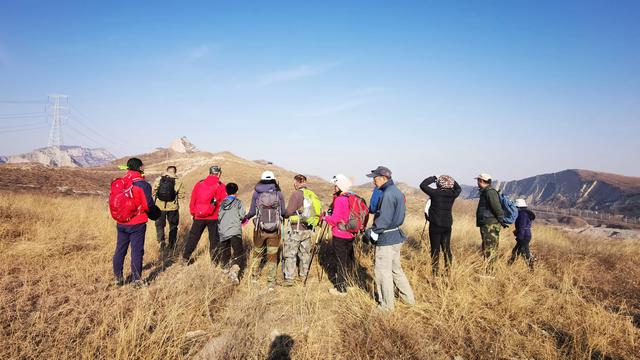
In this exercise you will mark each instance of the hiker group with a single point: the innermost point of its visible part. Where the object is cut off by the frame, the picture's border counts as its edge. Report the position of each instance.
(291, 232)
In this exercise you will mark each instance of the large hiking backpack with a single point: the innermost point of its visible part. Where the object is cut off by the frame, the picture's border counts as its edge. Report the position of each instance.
(509, 208)
(205, 203)
(311, 208)
(122, 203)
(268, 217)
(358, 214)
(167, 189)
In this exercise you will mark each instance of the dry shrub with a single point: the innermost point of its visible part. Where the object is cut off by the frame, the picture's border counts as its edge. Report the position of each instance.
(58, 300)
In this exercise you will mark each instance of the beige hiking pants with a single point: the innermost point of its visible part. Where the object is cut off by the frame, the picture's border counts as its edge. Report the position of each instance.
(389, 275)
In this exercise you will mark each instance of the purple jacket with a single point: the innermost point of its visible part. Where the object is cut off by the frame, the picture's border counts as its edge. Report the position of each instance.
(523, 224)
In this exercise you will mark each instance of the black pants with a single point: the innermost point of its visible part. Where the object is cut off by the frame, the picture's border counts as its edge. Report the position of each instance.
(171, 217)
(522, 249)
(343, 262)
(440, 239)
(197, 228)
(235, 244)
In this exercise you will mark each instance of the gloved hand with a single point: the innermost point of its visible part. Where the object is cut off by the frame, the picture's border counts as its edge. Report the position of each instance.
(374, 236)
(366, 238)
(371, 236)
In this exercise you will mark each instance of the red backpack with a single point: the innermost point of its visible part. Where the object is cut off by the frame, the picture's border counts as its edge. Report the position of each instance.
(358, 214)
(205, 202)
(122, 203)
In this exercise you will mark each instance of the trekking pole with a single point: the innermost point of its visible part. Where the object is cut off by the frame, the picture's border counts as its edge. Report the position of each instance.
(315, 251)
(282, 245)
(422, 235)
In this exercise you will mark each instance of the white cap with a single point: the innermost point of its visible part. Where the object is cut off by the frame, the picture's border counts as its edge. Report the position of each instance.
(484, 176)
(268, 175)
(342, 182)
(521, 203)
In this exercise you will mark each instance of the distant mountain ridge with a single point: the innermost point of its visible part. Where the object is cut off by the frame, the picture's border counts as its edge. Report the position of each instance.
(580, 189)
(69, 156)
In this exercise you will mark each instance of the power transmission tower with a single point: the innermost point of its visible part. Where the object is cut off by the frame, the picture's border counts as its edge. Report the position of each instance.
(59, 107)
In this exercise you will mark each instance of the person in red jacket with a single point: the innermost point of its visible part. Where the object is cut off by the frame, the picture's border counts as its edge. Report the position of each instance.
(132, 233)
(206, 197)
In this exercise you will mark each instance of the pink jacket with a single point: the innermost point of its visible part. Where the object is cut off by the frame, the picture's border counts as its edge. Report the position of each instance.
(340, 215)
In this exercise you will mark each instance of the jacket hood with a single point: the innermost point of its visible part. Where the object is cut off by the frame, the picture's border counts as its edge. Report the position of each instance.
(134, 174)
(228, 202)
(212, 180)
(260, 188)
(387, 185)
(531, 214)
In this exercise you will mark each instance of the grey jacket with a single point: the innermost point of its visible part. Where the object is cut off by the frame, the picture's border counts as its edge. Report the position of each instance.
(230, 218)
(390, 216)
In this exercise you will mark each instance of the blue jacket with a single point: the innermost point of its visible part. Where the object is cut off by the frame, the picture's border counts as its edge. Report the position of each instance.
(375, 201)
(523, 224)
(390, 216)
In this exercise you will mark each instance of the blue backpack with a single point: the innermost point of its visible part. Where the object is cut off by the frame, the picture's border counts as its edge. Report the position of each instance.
(510, 209)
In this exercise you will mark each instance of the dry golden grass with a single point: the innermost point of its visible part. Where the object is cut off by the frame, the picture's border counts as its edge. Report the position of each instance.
(58, 300)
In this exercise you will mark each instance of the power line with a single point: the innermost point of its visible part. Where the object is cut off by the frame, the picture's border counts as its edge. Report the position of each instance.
(24, 118)
(24, 114)
(27, 124)
(83, 120)
(90, 129)
(87, 137)
(12, 130)
(22, 102)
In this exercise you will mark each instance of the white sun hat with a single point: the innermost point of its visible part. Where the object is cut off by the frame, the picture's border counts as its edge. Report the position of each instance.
(342, 182)
(521, 203)
(268, 175)
(484, 176)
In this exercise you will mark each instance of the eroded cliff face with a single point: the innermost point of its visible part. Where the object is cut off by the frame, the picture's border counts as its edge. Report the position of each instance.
(580, 189)
(65, 156)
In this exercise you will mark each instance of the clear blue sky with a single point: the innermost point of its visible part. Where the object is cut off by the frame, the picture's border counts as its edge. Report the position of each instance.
(512, 88)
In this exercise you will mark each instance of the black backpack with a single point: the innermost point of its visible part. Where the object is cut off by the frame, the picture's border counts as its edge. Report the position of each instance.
(167, 189)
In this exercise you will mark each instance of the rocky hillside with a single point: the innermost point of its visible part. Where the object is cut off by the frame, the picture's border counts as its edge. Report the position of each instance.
(67, 156)
(581, 189)
(183, 145)
(192, 166)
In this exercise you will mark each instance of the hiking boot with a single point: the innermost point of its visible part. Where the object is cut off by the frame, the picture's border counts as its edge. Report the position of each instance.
(233, 276)
(271, 286)
(138, 284)
(288, 283)
(336, 292)
(119, 281)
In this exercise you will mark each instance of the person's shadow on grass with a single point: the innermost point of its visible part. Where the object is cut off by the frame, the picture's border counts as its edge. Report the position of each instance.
(280, 348)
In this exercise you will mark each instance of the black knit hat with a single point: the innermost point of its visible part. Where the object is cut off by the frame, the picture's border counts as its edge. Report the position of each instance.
(134, 164)
(232, 188)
